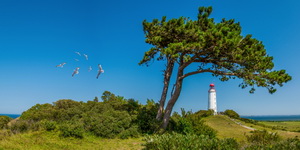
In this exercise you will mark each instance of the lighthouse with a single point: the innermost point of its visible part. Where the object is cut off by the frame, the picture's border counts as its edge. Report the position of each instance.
(212, 98)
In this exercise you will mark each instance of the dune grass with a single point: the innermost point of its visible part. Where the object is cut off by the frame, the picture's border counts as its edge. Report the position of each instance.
(226, 128)
(41, 140)
(285, 125)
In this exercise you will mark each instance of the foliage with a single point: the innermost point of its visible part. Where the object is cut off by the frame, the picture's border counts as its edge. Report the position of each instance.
(114, 117)
(263, 137)
(39, 112)
(21, 126)
(130, 132)
(146, 118)
(231, 114)
(189, 122)
(176, 141)
(218, 48)
(69, 129)
(4, 120)
(289, 144)
(249, 120)
(48, 125)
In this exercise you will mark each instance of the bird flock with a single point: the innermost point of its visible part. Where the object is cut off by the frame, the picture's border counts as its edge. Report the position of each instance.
(76, 70)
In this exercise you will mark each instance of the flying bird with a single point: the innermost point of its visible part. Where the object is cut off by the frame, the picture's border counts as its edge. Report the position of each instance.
(90, 68)
(78, 53)
(99, 71)
(76, 59)
(76, 71)
(86, 56)
(61, 65)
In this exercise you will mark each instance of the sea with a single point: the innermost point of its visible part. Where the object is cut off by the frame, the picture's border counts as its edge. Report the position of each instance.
(274, 118)
(14, 116)
(258, 118)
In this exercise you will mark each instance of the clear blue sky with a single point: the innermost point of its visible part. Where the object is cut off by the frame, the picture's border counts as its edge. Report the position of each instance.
(36, 35)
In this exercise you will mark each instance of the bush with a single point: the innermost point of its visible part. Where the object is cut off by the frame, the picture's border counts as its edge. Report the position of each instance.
(176, 141)
(146, 118)
(131, 132)
(4, 120)
(20, 126)
(231, 114)
(108, 124)
(71, 129)
(189, 122)
(48, 125)
(262, 137)
(249, 121)
(289, 144)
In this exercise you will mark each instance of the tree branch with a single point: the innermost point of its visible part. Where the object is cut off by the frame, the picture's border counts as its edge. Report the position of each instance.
(208, 70)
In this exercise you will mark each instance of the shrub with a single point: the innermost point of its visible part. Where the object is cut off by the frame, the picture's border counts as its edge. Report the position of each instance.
(262, 137)
(131, 132)
(249, 121)
(146, 118)
(71, 130)
(231, 114)
(20, 126)
(289, 144)
(176, 141)
(39, 112)
(4, 120)
(190, 122)
(180, 125)
(108, 124)
(48, 125)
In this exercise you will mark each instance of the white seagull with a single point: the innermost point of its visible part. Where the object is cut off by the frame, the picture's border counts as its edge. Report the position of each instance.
(76, 59)
(78, 53)
(90, 68)
(99, 71)
(86, 56)
(61, 65)
(76, 71)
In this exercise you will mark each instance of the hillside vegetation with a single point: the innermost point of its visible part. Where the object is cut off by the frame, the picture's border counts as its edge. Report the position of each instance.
(119, 123)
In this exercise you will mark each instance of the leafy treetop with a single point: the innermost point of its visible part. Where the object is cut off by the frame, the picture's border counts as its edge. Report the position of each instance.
(218, 48)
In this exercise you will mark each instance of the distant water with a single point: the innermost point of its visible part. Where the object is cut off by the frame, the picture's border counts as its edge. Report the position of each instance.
(274, 118)
(11, 115)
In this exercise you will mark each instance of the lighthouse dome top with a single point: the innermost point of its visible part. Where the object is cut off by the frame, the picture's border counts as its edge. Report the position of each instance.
(212, 85)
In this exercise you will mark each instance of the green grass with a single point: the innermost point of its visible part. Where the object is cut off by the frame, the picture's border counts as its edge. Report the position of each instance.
(226, 128)
(41, 140)
(284, 125)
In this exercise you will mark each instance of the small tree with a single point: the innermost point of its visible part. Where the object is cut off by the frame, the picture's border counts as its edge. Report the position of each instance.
(96, 99)
(217, 48)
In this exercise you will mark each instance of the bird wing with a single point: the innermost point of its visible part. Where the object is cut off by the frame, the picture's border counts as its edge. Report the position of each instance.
(75, 71)
(78, 53)
(86, 56)
(99, 72)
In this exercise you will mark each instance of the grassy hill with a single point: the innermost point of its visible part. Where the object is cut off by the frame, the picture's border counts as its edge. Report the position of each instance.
(283, 125)
(227, 128)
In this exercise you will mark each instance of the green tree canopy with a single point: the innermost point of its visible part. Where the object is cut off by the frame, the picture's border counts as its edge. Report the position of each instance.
(218, 48)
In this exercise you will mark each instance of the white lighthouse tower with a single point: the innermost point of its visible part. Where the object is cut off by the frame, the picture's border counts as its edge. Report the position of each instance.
(212, 98)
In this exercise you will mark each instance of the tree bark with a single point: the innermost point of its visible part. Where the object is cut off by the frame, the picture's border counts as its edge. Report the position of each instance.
(173, 99)
(167, 74)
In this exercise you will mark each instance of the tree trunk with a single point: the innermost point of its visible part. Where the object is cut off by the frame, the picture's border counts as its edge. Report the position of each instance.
(173, 100)
(167, 74)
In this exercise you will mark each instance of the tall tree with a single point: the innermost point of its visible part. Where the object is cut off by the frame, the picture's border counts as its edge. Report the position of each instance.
(217, 48)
